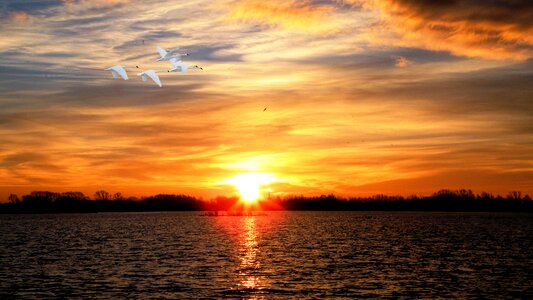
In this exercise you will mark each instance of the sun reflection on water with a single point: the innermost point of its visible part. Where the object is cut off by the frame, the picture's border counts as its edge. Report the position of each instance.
(251, 272)
(249, 262)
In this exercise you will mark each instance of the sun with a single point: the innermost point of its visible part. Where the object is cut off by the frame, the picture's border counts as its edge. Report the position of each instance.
(250, 185)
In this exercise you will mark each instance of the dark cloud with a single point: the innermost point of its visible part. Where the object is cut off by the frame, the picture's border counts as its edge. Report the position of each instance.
(497, 91)
(492, 29)
(134, 92)
(29, 6)
(17, 81)
(379, 59)
(213, 53)
(81, 22)
(474, 10)
(14, 160)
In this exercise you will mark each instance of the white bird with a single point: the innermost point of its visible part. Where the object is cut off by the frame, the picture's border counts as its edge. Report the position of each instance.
(152, 74)
(169, 54)
(118, 70)
(178, 65)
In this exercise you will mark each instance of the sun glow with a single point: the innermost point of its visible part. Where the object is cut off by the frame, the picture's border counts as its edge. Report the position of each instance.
(250, 184)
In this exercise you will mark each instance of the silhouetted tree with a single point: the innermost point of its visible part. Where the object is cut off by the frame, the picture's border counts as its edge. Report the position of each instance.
(514, 195)
(40, 197)
(118, 196)
(171, 202)
(102, 195)
(13, 199)
(134, 199)
(464, 194)
(485, 196)
(39, 201)
(444, 193)
(73, 202)
(73, 196)
(443, 200)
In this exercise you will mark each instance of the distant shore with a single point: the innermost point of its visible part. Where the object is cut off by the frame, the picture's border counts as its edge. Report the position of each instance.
(443, 200)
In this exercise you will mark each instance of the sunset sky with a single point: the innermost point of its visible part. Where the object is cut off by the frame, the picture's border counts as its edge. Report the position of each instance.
(362, 96)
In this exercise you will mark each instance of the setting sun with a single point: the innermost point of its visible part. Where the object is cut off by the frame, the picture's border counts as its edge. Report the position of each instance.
(249, 184)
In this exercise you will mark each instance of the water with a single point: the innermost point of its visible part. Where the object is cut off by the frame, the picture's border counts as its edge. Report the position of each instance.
(281, 255)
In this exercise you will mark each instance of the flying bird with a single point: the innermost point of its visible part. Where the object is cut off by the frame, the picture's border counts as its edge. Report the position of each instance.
(172, 55)
(169, 54)
(152, 74)
(265, 108)
(117, 71)
(180, 66)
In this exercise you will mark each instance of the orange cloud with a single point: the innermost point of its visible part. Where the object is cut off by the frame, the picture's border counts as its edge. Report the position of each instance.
(19, 16)
(491, 30)
(293, 15)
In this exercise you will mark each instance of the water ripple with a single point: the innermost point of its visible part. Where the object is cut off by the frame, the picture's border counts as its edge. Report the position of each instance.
(281, 255)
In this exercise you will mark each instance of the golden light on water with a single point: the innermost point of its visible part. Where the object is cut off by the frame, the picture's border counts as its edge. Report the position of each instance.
(251, 185)
(249, 261)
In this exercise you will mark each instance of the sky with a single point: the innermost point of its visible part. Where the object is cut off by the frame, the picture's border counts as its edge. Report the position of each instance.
(362, 97)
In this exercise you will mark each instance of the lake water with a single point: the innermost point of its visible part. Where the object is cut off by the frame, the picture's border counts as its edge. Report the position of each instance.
(280, 255)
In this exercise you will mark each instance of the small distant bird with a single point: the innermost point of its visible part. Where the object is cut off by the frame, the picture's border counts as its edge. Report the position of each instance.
(265, 108)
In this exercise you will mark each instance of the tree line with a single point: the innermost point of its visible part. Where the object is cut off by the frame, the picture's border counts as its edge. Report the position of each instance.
(103, 201)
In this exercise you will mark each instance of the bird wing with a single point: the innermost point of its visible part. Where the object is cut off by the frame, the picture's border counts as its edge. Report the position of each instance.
(184, 68)
(161, 51)
(175, 62)
(173, 51)
(153, 75)
(176, 56)
(120, 70)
